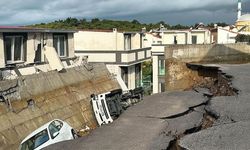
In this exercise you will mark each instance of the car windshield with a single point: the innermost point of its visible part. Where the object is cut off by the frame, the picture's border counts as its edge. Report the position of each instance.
(36, 140)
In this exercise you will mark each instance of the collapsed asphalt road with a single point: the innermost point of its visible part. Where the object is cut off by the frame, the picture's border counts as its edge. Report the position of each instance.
(178, 120)
(231, 130)
(143, 126)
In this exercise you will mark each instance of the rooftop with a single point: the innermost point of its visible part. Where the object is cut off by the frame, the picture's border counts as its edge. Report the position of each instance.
(31, 29)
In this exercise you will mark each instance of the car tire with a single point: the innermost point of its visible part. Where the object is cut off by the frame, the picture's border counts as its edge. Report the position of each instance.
(74, 134)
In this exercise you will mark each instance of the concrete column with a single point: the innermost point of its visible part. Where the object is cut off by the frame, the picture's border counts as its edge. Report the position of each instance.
(30, 48)
(189, 38)
(71, 47)
(2, 54)
(131, 77)
(155, 74)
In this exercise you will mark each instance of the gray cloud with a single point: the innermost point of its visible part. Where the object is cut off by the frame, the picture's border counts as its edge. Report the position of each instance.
(21, 12)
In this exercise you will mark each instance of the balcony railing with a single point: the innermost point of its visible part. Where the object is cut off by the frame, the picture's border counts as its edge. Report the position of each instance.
(124, 57)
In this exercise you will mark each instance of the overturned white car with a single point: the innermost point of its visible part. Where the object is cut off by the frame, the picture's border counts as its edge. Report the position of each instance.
(50, 133)
(109, 106)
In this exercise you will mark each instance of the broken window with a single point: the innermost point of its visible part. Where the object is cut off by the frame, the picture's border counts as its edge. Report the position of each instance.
(127, 41)
(59, 43)
(14, 48)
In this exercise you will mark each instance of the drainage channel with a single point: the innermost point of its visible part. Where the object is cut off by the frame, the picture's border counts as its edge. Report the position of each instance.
(214, 83)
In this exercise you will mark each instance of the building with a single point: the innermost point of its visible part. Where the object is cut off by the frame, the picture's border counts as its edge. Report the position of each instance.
(22, 50)
(226, 35)
(243, 21)
(122, 52)
(170, 37)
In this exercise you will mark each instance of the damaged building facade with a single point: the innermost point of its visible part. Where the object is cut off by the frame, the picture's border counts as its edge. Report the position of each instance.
(23, 52)
(122, 52)
(42, 80)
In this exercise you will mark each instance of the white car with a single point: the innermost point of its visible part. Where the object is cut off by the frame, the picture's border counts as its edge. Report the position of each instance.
(50, 133)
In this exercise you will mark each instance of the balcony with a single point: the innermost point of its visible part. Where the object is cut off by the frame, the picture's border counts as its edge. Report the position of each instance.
(120, 57)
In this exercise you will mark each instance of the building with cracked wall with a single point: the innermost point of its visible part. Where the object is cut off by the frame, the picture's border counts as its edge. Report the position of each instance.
(22, 49)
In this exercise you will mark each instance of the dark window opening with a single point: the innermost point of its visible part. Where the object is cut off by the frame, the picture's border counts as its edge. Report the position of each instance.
(194, 39)
(175, 40)
(14, 48)
(60, 44)
(124, 75)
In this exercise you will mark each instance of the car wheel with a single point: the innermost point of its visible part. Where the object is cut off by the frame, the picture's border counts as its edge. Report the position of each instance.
(74, 134)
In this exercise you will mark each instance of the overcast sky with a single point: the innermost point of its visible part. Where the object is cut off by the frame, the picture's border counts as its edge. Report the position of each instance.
(23, 12)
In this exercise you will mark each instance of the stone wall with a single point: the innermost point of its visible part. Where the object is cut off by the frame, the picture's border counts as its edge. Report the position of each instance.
(179, 77)
(64, 96)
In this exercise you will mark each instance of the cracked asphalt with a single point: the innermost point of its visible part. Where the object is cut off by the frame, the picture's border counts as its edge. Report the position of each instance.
(154, 122)
(141, 126)
(231, 131)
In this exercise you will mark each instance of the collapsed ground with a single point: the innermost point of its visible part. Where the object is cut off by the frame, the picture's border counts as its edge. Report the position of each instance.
(212, 114)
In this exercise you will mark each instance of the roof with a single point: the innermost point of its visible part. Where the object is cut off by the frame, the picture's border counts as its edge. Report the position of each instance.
(245, 17)
(107, 30)
(31, 29)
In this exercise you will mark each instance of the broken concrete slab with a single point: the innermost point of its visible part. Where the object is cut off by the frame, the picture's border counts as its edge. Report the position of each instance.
(223, 137)
(167, 104)
(240, 74)
(230, 109)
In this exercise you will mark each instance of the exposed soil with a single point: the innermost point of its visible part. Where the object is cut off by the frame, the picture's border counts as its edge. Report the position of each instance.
(218, 84)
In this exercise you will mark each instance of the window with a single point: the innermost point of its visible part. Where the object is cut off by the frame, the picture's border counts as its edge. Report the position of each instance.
(194, 39)
(35, 141)
(124, 74)
(14, 48)
(127, 41)
(161, 65)
(175, 39)
(54, 127)
(161, 87)
(59, 43)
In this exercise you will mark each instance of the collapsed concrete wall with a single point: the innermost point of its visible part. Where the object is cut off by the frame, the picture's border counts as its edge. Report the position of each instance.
(33, 100)
(179, 77)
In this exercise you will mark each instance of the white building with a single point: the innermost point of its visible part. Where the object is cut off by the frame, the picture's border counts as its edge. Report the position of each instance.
(226, 35)
(169, 37)
(22, 50)
(122, 52)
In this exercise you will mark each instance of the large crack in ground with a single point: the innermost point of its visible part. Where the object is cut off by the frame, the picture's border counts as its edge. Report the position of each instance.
(214, 83)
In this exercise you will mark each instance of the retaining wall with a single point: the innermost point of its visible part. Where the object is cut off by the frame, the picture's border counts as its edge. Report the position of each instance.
(178, 76)
(64, 96)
